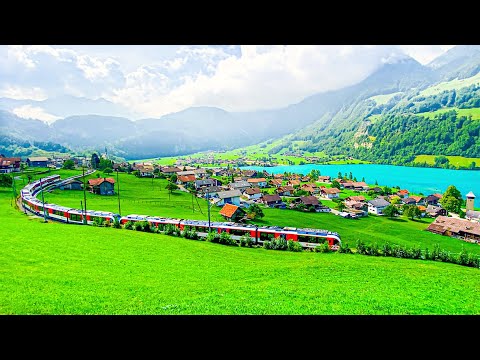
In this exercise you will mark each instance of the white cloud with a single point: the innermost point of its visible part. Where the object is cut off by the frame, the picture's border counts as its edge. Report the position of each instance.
(34, 112)
(23, 93)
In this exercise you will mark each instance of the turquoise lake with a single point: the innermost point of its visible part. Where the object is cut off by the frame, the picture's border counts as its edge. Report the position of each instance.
(414, 179)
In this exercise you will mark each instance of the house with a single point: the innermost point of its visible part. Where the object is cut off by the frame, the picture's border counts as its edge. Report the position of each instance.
(357, 198)
(200, 173)
(330, 193)
(376, 190)
(454, 227)
(252, 193)
(348, 185)
(219, 172)
(276, 182)
(170, 170)
(39, 161)
(232, 212)
(437, 195)
(184, 179)
(423, 210)
(377, 205)
(356, 203)
(211, 190)
(324, 179)
(409, 201)
(435, 211)
(8, 165)
(229, 197)
(419, 200)
(310, 188)
(403, 193)
(205, 183)
(394, 197)
(278, 176)
(240, 185)
(145, 170)
(431, 200)
(102, 186)
(360, 186)
(305, 178)
(186, 172)
(273, 201)
(286, 190)
(293, 182)
(71, 184)
(472, 215)
(260, 182)
(249, 173)
(310, 201)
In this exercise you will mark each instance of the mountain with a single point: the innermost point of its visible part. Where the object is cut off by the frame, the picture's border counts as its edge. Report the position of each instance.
(461, 61)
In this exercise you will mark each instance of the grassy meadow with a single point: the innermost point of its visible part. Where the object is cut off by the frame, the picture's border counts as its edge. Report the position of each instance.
(454, 160)
(53, 268)
(473, 112)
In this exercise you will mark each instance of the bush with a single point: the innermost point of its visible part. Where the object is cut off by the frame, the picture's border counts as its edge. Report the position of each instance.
(360, 247)
(387, 249)
(294, 246)
(226, 239)
(344, 249)
(137, 225)
(116, 224)
(213, 237)
(246, 241)
(128, 225)
(323, 248)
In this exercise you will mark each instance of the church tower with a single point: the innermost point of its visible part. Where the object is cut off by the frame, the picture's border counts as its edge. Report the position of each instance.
(470, 201)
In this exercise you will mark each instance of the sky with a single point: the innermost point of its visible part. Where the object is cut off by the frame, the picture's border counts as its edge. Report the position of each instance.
(154, 80)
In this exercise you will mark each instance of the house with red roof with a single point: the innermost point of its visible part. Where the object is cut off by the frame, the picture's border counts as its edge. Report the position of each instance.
(232, 212)
(102, 186)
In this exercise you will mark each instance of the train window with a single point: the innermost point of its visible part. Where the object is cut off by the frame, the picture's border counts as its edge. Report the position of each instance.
(266, 236)
(237, 232)
(75, 217)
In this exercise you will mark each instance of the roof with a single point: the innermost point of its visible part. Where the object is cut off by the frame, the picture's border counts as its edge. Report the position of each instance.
(96, 182)
(454, 225)
(360, 183)
(186, 178)
(239, 184)
(229, 194)
(252, 191)
(357, 198)
(431, 198)
(38, 158)
(286, 188)
(204, 182)
(403, 191)
(379, 202)
(330, 190)
(294, 182)
(309, 200)
(323, 178)
(168, 169)
(183, 173)
(433, 208)
(271, 198)
(473, 214)
(228, 210)
(276, 181)
(470, 195)
(256, 180)
(416, 198)
(438, 195)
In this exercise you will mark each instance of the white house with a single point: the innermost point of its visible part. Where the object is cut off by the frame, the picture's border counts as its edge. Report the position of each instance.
(253, 193)
(330, 193)
(229, 197)
(260, 182)
(376, 206)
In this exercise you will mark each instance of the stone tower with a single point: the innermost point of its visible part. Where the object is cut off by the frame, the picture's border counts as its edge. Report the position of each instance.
(470, 201)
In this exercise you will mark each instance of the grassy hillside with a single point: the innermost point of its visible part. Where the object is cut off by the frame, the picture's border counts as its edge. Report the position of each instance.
(474, 112)
(458, 161)
(50, 268)
(450, 85)
(383, 99)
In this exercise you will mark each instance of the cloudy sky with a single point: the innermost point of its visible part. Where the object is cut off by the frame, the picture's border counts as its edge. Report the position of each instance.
(155, 80)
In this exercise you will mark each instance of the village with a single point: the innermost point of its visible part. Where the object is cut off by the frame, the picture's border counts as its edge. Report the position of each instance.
(233, 190)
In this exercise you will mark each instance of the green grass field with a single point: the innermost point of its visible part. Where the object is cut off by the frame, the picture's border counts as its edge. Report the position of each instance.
(454, 160)
(450, 85)
(383, 99)
(474, 112)
(51, 268)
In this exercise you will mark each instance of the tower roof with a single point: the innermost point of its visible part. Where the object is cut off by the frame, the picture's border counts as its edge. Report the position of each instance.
(470, 195)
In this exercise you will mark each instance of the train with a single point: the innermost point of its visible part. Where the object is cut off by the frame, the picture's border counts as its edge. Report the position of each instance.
(309, 238)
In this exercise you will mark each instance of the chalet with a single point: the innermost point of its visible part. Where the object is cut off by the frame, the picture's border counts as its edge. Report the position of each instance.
(403, 193)
(310, 201)
(439, 196)
(273, 201)
(240, 185)
(357, 198)
(39, 161)
(360, 186)
(200, 173)
(145, 170)
(310, 188)
(170, 170)
(431, 200)
(376, 190)
(232, 212)
(377, 205)
(184, 179)
(252, 193)
(229, 197)
(330, 193)
(472, 215)
(348, 185)
(205, 183)
(454, 227)
(260, 182)
(419, 200)
(278, 176)
(102, 186)
(286, 190)
(186, 172)
(293, 182)
(324, 179)
(219, 172)
(8, 165)
(434, 211)
(356, 203)
(249, 173)
(239, 178)
(409, 201)
(305, 178)
(211, 190)
(276, 182)
(71, 184)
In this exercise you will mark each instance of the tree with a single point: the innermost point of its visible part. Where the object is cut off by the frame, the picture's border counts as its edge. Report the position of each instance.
(255, 211)
(95, 161)
(69, 164)
(173, 178)
(452, 199)
(171, 187)
(390, 211)
(339, 175)
(412, 211)
(395, 201)
(105, 163)
(387, 190)
(336, 184)
(363, 178)
(108, 171)
(6, 180)
(376, 182)
(350, 176)
(341, 206)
